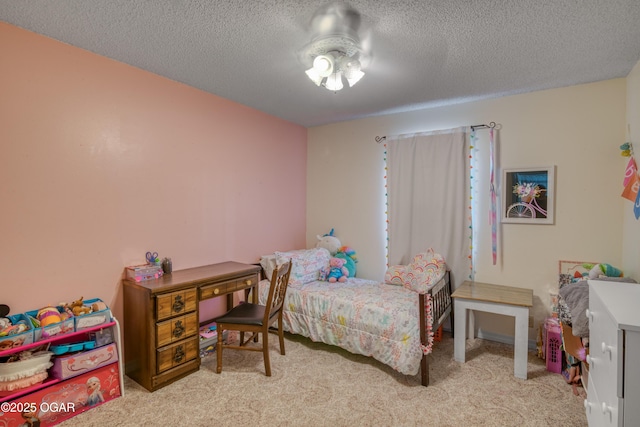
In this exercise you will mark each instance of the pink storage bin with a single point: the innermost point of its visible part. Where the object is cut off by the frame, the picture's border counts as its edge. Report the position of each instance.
(553, 345)
(68, 366)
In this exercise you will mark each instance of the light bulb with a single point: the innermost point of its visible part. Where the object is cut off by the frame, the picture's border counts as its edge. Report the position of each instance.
(334, 82)
(323, 64)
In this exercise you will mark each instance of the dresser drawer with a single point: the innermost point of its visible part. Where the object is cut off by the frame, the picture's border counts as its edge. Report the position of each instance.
(177, 354)
(176, 329)
(175, 303)
(604, 369)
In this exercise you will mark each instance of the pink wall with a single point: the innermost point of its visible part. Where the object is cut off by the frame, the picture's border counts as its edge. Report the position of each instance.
(100, 162)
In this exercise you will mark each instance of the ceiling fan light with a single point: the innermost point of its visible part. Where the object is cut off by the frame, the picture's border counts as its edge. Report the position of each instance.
(324, 65)
(312, 73)
(349, 66)
(334, 82)
(355, 78)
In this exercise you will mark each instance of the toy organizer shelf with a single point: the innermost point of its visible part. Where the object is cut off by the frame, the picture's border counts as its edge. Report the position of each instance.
(55, 399)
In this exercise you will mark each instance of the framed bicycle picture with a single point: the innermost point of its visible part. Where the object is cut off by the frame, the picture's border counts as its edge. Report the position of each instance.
(528, 195)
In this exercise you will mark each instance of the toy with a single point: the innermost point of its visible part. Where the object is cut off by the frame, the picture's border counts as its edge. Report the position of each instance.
(7, 327)
(602, 270)
(336, 272)
(78, 308)
(349, 255)
(329, 242)
(48, 316)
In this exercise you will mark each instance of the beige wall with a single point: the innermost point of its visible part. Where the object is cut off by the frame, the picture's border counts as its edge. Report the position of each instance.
(631, 226)
(101, 162)
(578, 129)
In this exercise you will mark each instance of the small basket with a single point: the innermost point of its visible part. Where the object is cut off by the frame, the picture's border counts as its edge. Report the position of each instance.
(553, 346)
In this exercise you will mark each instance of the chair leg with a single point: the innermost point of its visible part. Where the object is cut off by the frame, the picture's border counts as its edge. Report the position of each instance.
(281, 336)
(265, 352)
(219, 351)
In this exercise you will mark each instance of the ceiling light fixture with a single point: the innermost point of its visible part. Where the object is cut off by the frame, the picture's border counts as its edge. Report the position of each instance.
(334, 58)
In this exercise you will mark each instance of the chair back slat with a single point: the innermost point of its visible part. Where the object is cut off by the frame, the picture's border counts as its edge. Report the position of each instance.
(277, 290)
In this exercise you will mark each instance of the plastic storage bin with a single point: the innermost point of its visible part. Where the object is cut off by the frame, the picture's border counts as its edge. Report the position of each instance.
(553, 345)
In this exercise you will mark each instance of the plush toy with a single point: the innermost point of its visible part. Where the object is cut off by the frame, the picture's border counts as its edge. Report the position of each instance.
(336, 272)
(48, 316)
(329, 242)
(349, 255)
(602, 270)
(78, 308)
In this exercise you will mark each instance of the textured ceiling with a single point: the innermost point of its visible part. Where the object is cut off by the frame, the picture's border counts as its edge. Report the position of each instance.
(423, 52)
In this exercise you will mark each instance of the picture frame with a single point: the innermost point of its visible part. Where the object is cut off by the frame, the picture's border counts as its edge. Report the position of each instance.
(528, 195)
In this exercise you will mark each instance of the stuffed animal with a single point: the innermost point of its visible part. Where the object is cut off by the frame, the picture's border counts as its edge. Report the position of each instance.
(349, 255)
(78, 308)
(336, 272)
(602, 270)
(329, 242)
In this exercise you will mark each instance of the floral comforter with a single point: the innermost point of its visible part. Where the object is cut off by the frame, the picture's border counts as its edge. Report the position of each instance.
(361, 316)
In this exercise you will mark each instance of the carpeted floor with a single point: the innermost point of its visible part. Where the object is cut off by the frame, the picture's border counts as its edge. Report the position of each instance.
(319, 385)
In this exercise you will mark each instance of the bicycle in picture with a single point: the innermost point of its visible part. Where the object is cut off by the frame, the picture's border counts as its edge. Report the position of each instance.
(528, 206)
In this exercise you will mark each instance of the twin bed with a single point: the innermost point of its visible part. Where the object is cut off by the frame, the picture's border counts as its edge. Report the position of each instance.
(388, 322)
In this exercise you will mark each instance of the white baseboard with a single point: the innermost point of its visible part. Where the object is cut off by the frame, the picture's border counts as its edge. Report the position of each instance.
(504, 339)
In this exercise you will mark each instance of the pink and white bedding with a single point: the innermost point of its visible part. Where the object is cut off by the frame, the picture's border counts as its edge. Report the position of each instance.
(361, 316)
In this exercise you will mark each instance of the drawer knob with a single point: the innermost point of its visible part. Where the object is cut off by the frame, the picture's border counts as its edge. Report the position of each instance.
(589, 314)
(178, 304)
(179, 355)
(606, 348)
(606, 409)
(587, 406)
(178, 330)
(216, 291)
(248, 282)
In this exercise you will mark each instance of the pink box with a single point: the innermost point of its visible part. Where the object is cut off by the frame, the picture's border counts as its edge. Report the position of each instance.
(68, 366)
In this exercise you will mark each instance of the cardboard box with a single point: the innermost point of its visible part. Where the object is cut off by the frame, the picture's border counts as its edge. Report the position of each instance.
(572, 344)
(71, 365)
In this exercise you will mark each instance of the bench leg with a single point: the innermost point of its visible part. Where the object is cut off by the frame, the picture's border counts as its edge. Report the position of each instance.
(520, 353)
(459, 334)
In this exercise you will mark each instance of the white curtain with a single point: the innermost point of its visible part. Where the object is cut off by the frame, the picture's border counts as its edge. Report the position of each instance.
(428, 198)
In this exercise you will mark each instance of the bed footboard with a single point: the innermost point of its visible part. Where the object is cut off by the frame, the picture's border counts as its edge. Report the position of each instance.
(441, 307)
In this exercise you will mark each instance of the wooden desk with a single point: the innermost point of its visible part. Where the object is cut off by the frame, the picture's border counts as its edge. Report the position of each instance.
(505, 300)
(161, 319)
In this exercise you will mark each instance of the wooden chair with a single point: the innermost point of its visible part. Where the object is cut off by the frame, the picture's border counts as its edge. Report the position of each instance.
(257, 319)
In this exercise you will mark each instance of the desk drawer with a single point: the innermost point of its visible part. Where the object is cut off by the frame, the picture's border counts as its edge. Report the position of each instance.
(248, 281)
(175, 303)
(220, 288)
(177, 354)
(176, 329)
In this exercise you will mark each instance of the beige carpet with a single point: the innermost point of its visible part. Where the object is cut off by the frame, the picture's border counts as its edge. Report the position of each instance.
(319, 385)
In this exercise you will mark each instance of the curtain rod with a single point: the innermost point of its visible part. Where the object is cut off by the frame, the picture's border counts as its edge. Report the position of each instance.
(491, 125)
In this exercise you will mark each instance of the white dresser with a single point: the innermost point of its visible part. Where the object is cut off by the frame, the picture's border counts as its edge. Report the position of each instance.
(613, 394)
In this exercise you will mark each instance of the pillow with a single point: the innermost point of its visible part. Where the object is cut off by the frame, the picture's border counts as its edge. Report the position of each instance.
(307, 263)
(268, 263)
(425, 270)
